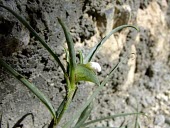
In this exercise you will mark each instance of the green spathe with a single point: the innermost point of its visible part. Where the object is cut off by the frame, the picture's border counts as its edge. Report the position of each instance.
(83, 73)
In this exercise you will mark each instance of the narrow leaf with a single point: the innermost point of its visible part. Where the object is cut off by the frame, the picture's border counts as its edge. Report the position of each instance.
(82, 73)
(96, 92)
(138, 125)
(30, 86)
(110, 117)
(51, 125)
(61, 107)
(84, 115)
(70, 44)
(34, 33)
(97, 46)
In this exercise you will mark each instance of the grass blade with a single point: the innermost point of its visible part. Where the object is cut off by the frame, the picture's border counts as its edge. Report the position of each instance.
(84, 115)
(109, 117)
(72, 54)
(70, 44)
(60, 108)
(97, 46)
(34, 33)
(18, 123)
(58, 112)
(136, 122)
(31, 87)
(99, 88)
(51, 124)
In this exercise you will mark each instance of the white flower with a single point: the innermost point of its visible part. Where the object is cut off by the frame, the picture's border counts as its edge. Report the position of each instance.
(95, 66)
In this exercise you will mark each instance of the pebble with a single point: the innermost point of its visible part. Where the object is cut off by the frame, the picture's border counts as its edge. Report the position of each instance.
(159, 120)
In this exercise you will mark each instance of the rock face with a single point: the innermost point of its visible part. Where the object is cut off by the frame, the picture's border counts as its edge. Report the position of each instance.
(142, 78)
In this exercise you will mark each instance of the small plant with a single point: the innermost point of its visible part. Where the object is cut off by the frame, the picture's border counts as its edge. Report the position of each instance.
(74, 72)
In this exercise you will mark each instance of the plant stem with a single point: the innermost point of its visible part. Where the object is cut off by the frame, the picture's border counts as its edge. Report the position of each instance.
(70, 95)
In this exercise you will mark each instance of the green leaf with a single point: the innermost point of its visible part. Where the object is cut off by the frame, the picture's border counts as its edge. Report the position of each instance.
(51, 125)
(69, 43)
(61, 107)
(34, 33)
(31, 87)
(97, 46)
(82, 73)
(110, 117)
(84, 115)
(96, 92)
(71, 50)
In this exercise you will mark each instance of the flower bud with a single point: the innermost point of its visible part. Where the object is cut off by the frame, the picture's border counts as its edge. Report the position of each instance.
(94, 66)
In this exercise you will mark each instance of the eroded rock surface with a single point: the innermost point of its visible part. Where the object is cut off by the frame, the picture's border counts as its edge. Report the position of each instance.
(142, 78)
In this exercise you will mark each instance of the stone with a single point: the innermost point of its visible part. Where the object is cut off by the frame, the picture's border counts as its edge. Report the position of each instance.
(159, 120)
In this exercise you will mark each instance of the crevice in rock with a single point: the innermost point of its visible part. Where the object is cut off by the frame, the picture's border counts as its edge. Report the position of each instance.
(149, 72)
(6, 27)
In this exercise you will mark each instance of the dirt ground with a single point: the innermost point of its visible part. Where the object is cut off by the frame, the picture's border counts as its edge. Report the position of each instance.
(141, 80)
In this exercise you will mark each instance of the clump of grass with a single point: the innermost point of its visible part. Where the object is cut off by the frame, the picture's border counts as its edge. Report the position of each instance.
(74, 72)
